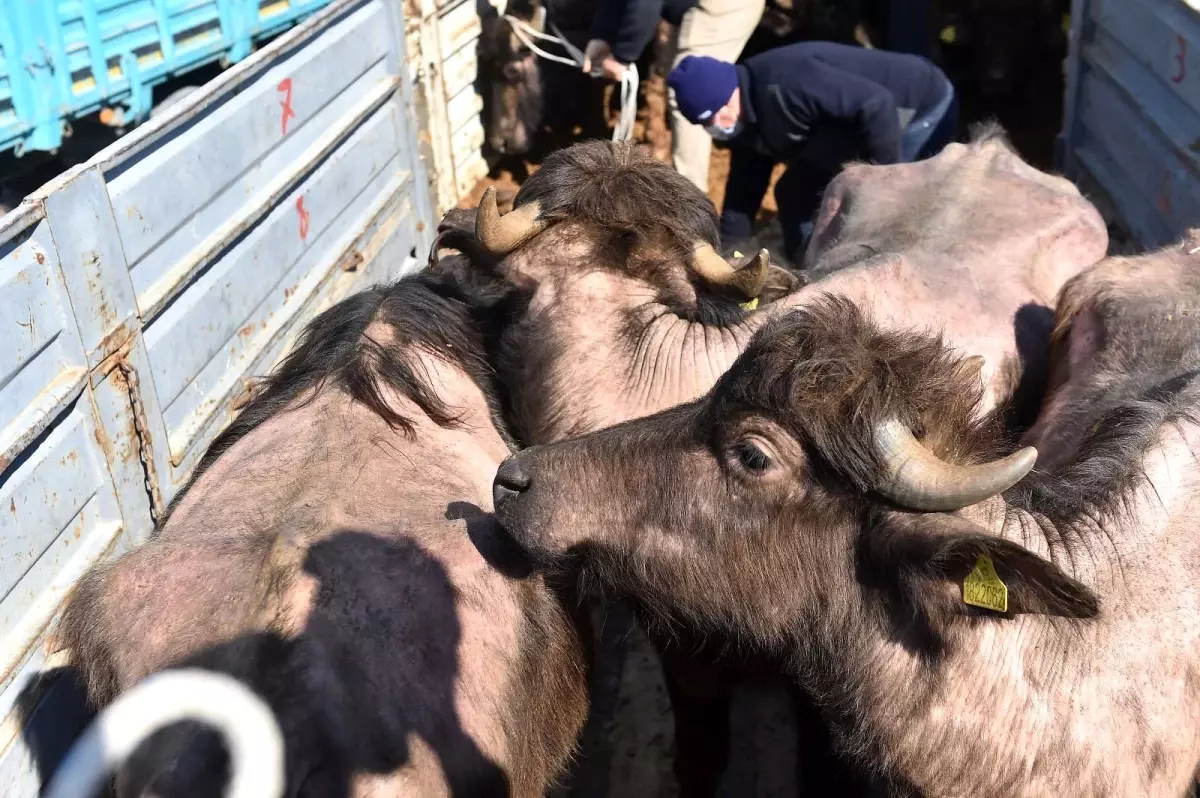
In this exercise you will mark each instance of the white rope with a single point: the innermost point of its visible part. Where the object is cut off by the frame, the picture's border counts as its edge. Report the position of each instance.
(248, 725)
(526, 33)
(629, 89)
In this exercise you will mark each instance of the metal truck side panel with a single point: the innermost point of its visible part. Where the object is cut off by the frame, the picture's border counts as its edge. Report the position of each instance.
(1133, 112)
(142, 294)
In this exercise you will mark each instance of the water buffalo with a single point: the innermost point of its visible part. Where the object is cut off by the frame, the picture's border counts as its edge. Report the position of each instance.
(335, 552)
(996, 46)
(525, 95)
(973, 628)
(626, 309)
(510, 78)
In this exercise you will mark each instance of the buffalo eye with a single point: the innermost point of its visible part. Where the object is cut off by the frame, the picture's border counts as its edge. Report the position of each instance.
(752, 458)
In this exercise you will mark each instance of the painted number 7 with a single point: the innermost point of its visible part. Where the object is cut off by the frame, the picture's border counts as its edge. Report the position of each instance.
(1181, 47)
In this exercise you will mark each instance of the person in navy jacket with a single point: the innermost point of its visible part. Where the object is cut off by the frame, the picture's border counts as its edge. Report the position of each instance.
(814, 106)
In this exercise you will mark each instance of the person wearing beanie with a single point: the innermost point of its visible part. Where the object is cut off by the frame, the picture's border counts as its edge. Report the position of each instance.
(814, 106)
(715, 28)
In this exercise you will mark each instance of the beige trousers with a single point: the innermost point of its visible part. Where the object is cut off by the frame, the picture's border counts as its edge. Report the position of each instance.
(720, 29)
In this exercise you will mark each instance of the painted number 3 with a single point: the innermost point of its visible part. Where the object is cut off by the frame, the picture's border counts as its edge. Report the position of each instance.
(1181, 46)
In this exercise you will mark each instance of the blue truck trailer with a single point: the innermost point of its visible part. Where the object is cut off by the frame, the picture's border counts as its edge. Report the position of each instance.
(65, 59)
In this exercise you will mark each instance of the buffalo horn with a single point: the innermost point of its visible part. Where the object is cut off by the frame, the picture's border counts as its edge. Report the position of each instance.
(917, 479)
(747, 281)
(501, 235)
(970, 368)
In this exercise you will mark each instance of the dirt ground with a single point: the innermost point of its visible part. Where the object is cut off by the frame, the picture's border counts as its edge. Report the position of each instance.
(625, 751)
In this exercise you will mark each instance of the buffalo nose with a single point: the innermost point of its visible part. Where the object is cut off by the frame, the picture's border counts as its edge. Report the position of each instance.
(511, 480)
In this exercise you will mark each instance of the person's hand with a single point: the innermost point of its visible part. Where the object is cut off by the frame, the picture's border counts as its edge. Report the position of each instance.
(598, 53)
(613, 69)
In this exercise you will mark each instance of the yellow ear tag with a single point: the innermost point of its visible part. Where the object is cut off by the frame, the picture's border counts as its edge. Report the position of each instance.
(983, 587)
(948, 35)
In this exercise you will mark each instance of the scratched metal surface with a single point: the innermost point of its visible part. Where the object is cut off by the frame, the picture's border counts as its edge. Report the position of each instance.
(1132, 130)
(66, 459)
(143, 291)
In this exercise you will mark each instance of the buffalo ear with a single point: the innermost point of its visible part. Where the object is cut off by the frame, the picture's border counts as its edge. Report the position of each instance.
(922, 559)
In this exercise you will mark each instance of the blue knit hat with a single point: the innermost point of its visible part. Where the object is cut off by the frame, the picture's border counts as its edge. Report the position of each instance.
(702, 86)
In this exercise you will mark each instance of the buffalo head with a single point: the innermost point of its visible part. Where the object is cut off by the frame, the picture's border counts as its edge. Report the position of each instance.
(513, 86)
(813, 489)
(634, 215)
(1003, 42)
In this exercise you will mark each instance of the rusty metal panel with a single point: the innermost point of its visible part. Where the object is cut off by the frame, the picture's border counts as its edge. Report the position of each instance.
(284, 177)
(237, 158)
(218, 324)
(463, 110)
(141, 292)
(458, 28)
(1133, 112)
(59, 508)
(459, 70)
(91, 259)
(442, 55)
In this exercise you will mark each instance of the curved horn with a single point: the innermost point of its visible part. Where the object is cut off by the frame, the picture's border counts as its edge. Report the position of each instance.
(971, 368)
(501, 235)
(714, 270)
(919, 480)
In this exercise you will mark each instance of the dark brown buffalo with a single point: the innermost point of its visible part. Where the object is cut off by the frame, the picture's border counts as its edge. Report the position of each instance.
(335, 552)
(533, 103)
(511, 81)
(995, 47)
(830, 497)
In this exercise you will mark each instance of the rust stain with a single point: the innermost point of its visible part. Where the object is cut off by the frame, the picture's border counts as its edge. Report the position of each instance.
(139, 431)
(246, 331)
(40, 257)
(12, 506)
(352, 261)
(114, 347)
(101, 438)
(420, 227)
